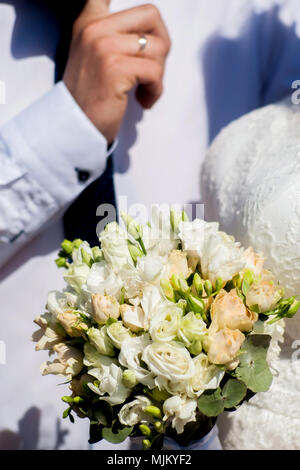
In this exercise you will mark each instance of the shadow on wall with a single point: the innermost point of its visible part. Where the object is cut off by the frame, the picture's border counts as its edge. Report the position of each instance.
(27, 436)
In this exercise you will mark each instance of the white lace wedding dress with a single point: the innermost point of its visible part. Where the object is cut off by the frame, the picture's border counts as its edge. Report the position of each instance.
(251, 184)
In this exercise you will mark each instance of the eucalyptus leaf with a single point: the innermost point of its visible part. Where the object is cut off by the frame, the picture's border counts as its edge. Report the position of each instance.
(233, 393)
(118, 437)
(253, 368)
(211, 403)
(103, 413)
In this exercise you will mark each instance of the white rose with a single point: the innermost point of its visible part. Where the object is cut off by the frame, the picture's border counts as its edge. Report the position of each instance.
(114, 246)
(207, 376)
(118, 333)
(171, 360)
(104, 307)
(150, 267)
(152, 300)
(69, 362)
(191, 329)
(133, 317)
(222, 257)
(103, 280)
(181, 411)
(165, 322)
(130, 358)
(99, 338)
(133, 413)
(193, 235)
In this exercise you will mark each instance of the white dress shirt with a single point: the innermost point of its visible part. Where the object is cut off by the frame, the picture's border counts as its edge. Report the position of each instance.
(228, 57)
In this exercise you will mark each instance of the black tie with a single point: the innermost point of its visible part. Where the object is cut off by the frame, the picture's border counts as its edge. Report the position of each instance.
(80, 219)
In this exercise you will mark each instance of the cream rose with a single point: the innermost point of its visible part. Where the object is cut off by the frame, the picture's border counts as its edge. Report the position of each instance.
(101, 341)
(265, 294)
(133, 317)
(224, 345)
(254, 261)
(228, 311)
(178, 263)
(104, 307)
(118, 333)
(171, 360)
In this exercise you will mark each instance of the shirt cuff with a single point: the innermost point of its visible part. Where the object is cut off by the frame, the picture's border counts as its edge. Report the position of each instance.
(56, 143)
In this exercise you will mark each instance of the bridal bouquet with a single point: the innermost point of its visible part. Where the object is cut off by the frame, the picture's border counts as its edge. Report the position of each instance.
(162, 328)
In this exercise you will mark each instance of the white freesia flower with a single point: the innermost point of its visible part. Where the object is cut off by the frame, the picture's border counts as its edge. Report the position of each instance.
(165, 322)
(103, 280)
(133, 317)
(191, 329)
(77, 275)
(69, 362)
(133, 413)
(115, 246)
(171, 360)
(49, 334)
(118, 333)
(100, 339)
(104, 307)
(181, 411)
(207, 376)
(130, 358)
(222, 257)
(110, 385)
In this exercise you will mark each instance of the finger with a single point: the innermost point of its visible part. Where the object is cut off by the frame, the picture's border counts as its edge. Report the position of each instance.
(128, 45)
(148, 76)
(93, 10)
(143, 19)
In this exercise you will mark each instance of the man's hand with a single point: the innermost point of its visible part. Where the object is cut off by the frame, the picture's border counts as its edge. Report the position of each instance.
(105, 63)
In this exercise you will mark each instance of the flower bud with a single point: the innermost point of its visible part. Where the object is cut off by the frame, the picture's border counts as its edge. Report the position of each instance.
(154, 411)
(175, 220)
(159, 426)
(97, 254)
(134, 251)
(183, 286)
(293, 309)
(196, 347)
(197, 283)
(185, 217)
(182, 304)
(196, 303)
(219, 284)
(77, 243)
(145, 430)
(67, 246)
(168, 289)
(208, 287)
(146, 444)
(86, 257)
(132, 227)
(61, 262)
(129, 378)
(175, 282)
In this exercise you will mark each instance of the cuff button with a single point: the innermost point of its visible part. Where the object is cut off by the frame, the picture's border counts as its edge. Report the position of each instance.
(82, 175)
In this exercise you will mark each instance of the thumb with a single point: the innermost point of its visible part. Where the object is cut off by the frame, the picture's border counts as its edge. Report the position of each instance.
(93, 10)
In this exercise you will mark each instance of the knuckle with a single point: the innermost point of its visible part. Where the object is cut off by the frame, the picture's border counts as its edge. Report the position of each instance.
(86, 34)
(151, 10)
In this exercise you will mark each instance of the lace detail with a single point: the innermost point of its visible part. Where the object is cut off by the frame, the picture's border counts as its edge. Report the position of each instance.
(250, 184)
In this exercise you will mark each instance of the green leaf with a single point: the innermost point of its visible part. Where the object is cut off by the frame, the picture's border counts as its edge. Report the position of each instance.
(116, 438)
(66, 413)
(103, 413)
(233, 393)
(211, 402)
(253, 369)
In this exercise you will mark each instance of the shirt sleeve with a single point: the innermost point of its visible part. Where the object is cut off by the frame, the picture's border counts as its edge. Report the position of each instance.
(48, 154)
